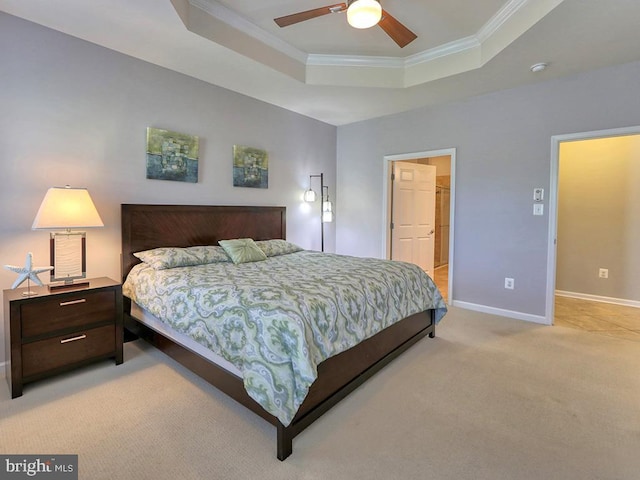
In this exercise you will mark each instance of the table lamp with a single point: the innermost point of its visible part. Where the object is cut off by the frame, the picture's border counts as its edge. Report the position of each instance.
(67, 208)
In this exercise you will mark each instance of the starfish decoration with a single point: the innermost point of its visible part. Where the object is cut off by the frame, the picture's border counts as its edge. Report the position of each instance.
(27, 272)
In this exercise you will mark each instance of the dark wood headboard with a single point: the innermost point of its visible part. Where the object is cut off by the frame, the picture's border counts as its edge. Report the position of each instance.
(151, 226)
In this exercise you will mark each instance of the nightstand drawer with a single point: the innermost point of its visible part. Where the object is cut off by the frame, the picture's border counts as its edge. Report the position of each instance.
(45, 355)
(64, 312)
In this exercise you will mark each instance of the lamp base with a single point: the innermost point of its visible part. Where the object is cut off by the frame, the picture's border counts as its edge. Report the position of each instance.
(68, 286)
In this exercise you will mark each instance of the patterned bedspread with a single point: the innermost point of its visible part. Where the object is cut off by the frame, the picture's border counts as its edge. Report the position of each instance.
(277, 319)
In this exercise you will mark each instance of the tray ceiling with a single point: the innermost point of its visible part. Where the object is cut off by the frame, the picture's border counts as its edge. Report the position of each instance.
(325, 69)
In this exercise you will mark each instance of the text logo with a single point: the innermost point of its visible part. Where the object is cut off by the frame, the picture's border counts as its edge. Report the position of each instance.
(50, 467)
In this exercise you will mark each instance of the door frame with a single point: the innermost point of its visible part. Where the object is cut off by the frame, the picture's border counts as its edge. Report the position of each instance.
(552, 245)
(386, 202)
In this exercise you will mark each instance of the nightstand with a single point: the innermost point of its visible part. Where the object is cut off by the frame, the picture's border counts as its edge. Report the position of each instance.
(55, 331)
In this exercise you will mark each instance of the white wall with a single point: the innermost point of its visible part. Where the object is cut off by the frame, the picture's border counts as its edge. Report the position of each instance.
(75, 113)
(503, 151)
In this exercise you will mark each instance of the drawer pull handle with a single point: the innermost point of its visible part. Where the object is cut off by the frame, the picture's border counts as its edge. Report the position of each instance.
(73, 302)
(73, 339)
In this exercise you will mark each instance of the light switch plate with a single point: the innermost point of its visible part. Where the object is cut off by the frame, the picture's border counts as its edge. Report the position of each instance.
(538, 194)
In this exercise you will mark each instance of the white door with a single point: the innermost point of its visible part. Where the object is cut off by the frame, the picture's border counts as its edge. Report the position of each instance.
(413, 214)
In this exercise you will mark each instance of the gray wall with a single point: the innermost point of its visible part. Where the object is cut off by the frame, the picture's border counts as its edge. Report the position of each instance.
(503, 151)
(75, 113)
(599, 217)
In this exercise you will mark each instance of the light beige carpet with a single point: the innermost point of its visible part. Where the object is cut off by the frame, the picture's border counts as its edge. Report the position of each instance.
(489, 398)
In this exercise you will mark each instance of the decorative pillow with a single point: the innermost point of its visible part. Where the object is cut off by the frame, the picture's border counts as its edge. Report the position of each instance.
(171, 257)
(242, 250)
(272, 248)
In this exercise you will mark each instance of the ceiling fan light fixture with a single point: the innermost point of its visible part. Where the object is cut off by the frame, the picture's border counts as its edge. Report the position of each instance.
(364, 13)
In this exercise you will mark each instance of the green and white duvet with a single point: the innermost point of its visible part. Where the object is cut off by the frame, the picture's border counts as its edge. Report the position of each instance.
(277, 319)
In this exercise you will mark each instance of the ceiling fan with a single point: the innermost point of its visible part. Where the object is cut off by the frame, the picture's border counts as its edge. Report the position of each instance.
(360, 14)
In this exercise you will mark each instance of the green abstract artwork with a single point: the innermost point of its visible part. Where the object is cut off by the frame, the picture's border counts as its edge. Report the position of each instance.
(250, 167)
(172, 155)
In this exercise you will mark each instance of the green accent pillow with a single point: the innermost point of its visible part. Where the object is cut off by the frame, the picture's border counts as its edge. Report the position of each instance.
(242, 250)
(171, 257)
(272, 248)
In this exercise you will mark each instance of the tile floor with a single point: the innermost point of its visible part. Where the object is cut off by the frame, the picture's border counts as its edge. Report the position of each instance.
(597, 317)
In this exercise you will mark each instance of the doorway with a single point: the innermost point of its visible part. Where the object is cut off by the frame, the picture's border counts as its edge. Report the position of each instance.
(443, 235)
(593, 261)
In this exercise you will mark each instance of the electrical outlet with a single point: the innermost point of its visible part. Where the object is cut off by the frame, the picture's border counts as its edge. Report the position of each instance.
(603, 273)
(538, 208)
(509, 283)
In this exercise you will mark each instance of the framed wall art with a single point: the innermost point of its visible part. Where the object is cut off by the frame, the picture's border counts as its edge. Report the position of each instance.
(250, 167)
(172, 155)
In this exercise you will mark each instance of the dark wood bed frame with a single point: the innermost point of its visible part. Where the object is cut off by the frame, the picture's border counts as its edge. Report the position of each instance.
(150, 226)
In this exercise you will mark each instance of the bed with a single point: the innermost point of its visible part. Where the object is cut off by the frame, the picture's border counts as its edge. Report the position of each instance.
(148, 227)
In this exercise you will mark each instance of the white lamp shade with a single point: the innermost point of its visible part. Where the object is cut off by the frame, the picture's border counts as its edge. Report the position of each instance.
(364, 13)
(309, 196)
(65, 207)
(327, 211)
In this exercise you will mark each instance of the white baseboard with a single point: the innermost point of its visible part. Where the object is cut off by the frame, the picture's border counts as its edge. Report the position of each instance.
(599, 298)
(2, 369)
(527, 317)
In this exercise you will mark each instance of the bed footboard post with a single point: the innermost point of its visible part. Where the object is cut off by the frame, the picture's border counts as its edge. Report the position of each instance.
(285, 442)
(432, 315)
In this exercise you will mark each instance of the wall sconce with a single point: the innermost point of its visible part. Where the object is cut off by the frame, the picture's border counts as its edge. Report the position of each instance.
(326, 207)
(66, 207)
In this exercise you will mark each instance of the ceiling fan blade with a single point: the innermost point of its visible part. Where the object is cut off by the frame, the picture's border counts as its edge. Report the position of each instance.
(397, 31)
(309, 14)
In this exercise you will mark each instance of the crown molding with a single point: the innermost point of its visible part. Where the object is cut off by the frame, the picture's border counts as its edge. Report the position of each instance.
(507, 24)
(501, 17)
(231, 18)
(321, 60)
